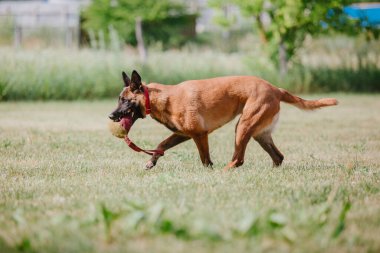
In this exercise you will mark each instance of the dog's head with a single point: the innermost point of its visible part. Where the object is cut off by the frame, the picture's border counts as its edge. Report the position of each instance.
(131, 100)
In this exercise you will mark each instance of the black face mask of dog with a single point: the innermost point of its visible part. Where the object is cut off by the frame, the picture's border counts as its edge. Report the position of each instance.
(130, 100)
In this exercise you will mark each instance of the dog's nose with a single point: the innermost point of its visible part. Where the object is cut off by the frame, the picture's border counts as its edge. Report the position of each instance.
(111, 116)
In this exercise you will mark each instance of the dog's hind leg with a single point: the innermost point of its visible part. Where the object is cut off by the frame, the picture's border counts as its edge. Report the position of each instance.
(255, 117)
(244, 128)
(202, 144)
(166, 144)
(266, 142)
(243, 134)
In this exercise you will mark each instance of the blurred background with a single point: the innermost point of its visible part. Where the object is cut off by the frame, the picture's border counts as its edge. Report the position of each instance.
(68, 50)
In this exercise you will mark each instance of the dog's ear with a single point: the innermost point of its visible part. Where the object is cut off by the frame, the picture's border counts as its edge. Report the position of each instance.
(126, 79)
(135, 81)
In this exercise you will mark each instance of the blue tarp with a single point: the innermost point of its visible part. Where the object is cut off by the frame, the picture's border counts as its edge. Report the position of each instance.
(368, 13)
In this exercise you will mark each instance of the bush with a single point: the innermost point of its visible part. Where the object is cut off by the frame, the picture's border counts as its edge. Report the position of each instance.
(89, 74)
(165, 21)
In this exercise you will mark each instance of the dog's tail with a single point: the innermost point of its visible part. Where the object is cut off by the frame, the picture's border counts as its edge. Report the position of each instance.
(306, 104)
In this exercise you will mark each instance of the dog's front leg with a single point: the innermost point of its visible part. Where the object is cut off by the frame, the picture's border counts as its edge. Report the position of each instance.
(169, 142)
(202, 144)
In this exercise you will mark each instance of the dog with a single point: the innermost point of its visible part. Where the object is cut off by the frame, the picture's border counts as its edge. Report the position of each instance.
(194, 109)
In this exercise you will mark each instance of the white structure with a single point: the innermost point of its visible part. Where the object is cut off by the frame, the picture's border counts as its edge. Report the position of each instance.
(205, 20)
(27, 16)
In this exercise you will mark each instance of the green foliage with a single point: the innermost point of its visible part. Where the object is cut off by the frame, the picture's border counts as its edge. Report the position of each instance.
(171, 32)
(328, 65)
(105, 15)
(342, 218)
(6, 30)
(221, 17)
(25, 246)
(153, 220)
(292, 20)
(109, 218)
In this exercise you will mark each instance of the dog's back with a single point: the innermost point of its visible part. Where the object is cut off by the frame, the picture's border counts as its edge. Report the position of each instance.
(208, 104)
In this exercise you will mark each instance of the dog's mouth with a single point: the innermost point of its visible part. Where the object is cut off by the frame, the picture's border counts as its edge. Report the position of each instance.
(126, 118)
(129, 114)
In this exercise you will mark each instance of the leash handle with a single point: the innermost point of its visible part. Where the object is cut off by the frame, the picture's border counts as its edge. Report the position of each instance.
(138, 149)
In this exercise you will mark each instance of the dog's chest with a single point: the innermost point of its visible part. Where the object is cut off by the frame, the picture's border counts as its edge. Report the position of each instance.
(168, 125)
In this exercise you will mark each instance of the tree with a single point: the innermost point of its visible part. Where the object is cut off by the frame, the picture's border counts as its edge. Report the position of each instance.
(127, 16)
(290, 21)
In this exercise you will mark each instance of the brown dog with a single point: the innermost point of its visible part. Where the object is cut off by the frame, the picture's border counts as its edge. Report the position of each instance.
(194, 109)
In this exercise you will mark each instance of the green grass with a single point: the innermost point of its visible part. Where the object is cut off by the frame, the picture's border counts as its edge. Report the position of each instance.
(77, 74)
(67, 185)
(339, 65)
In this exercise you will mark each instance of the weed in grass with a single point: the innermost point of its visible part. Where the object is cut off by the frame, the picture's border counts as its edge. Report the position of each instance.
(248, 225)
(25, 246)
(109, 218)
(155, 221)
(342, 218)
(6, 143)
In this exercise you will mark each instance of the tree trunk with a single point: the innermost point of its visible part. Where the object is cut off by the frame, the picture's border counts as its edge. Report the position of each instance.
(140, 40)
(283, 59)
(17, 37)
(226, 30)
(260, 26)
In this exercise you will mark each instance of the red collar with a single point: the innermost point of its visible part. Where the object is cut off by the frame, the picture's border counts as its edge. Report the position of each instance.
(147, 100)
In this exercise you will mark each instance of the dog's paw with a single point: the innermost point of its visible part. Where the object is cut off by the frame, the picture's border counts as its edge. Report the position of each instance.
(230, 166)
(149, 165)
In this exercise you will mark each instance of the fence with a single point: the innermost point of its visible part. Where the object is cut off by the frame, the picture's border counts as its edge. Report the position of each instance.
(40, 22)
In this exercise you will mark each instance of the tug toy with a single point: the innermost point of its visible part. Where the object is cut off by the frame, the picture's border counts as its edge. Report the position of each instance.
(121, 129)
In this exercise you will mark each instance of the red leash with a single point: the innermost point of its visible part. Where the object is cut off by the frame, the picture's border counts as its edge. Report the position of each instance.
(134, 146)
(137, 149)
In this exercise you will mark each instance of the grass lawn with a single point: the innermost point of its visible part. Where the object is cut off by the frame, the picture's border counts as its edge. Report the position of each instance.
(68, 185)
